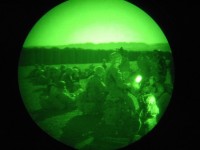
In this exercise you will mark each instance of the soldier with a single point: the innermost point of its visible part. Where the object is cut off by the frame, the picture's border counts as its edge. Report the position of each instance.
(125, 64)
(90, 103)
(95, 92)
(119, 107)
(57, 102)
(152, 111)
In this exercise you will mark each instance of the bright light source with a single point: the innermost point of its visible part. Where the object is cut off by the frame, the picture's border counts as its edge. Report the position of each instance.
(138, 78)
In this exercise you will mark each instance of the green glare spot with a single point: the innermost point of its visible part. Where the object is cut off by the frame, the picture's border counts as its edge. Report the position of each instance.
(96, 74)
(138, 78)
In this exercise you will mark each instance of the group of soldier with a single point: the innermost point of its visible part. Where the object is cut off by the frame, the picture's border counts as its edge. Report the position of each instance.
(111, 105)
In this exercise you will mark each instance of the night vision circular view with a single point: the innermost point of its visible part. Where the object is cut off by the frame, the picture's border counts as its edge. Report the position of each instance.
(96, 74)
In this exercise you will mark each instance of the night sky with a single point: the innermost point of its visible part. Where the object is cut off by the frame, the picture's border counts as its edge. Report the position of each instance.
(94, 21)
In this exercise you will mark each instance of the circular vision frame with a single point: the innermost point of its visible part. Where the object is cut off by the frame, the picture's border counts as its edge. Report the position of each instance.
(96, 74)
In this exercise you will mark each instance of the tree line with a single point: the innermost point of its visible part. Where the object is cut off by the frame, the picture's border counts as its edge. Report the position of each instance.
(49, 56)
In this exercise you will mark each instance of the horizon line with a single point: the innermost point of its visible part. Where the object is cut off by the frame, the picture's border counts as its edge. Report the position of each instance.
(93, 44)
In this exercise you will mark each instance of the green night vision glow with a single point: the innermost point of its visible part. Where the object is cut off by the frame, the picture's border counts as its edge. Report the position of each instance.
(94, 21)
(96, 74)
